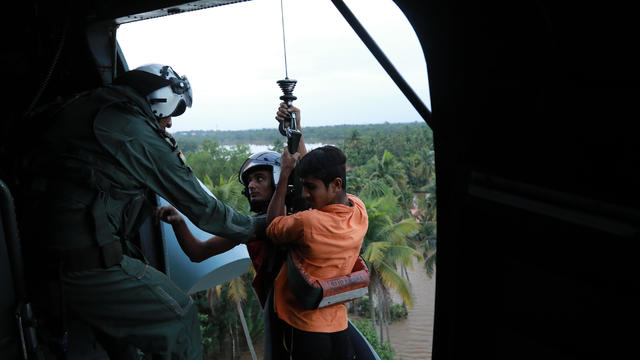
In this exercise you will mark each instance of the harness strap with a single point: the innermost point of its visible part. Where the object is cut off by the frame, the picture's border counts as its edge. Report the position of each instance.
(307, 291)
(99, 216)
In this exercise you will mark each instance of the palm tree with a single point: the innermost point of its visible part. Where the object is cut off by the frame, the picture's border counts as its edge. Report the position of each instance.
(237, 293)
(426, 214)
(387, 170)
(229, 192)
(420, 167)
(426, 203)
(426, 240)
(385, 247)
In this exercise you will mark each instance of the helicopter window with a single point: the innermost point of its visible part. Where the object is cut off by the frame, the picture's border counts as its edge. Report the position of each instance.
(233, 56)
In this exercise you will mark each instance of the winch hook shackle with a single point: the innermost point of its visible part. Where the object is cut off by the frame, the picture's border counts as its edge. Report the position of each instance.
(288, 127)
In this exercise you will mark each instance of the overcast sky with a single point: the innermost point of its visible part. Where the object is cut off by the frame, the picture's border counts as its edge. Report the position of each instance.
(233, 56)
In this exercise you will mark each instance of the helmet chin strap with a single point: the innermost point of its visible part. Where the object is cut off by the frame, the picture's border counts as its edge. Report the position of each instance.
(259, 206)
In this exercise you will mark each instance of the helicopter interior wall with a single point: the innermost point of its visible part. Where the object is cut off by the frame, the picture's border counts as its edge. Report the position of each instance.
(538, 93)
(533, 94)
(8, 329)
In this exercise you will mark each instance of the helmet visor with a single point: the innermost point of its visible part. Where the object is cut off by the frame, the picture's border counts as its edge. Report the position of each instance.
(243, 168)
(179, 110)
(181, 86)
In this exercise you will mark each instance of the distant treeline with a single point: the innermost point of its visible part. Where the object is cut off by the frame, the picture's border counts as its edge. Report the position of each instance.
(336, 134)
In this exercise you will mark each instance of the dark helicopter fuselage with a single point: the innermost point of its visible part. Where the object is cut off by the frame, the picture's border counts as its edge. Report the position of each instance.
(533, 103)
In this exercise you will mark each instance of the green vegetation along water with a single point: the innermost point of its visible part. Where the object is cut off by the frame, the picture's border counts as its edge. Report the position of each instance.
(189, 140)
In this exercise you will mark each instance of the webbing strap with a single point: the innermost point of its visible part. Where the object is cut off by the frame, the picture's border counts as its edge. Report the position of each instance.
(99, 215)
(308, 296)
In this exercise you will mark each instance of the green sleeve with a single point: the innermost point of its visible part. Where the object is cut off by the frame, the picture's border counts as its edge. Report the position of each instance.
(152, 161)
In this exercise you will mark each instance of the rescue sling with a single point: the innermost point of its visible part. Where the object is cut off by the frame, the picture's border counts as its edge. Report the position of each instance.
(315, 294)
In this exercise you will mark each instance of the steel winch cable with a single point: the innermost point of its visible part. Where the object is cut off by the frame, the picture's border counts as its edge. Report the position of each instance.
(288, 127)
(284, 41)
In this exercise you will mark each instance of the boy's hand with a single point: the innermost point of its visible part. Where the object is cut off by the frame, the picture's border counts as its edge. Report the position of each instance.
(284, 112)
(288, 162)
(168, 214)
(277, 205)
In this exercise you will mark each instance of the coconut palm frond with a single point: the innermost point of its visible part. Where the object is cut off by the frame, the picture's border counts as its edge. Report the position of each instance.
(430, 265)
(237, 289)
(401, 231)
(229, 191)
(398, 233)
(379, 218)
(207, 182)
(391, 278)
(402, 254)
(388, 204)
(375, 188)
(428, 246)
(377, 225)
(374, 253)
(251, 271)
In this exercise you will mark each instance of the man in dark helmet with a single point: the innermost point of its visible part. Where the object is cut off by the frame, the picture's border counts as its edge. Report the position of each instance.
(102, 156)
(259, 174)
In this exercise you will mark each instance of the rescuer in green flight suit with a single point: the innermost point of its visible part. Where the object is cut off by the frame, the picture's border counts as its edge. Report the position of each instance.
(101, 159)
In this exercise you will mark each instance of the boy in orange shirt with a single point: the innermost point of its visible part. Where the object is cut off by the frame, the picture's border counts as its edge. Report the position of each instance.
(327, 238)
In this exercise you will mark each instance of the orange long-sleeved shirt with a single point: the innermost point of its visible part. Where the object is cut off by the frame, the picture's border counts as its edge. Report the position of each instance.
(328, 241)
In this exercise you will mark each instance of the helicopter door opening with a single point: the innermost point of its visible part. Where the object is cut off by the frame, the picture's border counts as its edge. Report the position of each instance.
(233, 55)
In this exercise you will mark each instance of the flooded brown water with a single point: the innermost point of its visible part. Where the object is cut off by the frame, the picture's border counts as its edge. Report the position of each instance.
(411, 338)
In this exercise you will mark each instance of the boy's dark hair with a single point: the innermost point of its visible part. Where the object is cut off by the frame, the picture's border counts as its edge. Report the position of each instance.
(325, 163)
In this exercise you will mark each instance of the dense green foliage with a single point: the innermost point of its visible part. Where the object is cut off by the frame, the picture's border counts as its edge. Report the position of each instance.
(216, 161)
(382, 348)
(361, 308)
(190, 140)
(389, 166)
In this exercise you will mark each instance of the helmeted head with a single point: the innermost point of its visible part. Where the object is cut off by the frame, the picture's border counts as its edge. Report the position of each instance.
(259, 174)
(167, 93)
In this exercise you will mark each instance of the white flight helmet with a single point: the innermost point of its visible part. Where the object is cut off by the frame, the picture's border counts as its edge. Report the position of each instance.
(172, 99)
